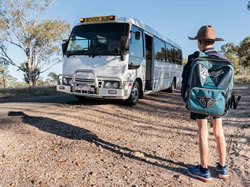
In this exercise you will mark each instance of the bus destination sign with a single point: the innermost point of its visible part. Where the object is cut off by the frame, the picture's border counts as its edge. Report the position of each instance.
(97, 19)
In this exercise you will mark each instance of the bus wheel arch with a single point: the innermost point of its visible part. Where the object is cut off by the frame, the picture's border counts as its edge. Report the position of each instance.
(173, 86)
(134, 94)
(174, 82)
(140, 87)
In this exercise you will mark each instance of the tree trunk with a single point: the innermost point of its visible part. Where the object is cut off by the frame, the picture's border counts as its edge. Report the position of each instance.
(34, 82)
(29, 69)
(4, 82)
(30, 77)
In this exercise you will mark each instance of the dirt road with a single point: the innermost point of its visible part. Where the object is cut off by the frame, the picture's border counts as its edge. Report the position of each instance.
(105, 143)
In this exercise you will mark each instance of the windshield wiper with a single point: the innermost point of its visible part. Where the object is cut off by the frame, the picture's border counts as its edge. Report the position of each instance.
(68, 54)
(92, 50)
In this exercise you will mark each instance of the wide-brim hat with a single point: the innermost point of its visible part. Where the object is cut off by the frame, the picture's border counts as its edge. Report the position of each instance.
(206, 33)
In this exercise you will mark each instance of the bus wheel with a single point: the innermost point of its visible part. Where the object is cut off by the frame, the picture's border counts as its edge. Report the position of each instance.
(172, 87)
(134, 96)
(80, 98)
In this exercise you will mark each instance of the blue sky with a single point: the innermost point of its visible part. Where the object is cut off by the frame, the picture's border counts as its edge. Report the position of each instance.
(174, 19)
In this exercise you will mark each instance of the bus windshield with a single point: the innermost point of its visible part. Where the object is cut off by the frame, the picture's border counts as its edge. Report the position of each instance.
(98, 39)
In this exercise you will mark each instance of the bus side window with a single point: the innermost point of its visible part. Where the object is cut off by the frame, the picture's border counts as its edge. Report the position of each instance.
(170, 53)
(136, 51)
(136, 46)
(178, 58)
(181, 60)
(160, 52)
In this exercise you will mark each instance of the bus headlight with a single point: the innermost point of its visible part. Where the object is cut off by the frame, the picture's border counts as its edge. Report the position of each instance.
(107, 84)
(112, 84)
(66, 81)
(116, 85)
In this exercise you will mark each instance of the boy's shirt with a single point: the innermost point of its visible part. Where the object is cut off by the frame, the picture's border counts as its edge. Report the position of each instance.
(210, 51)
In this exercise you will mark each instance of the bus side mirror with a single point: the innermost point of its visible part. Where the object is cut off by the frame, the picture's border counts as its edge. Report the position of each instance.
(137, 35)
(64, 46)
(124, 40)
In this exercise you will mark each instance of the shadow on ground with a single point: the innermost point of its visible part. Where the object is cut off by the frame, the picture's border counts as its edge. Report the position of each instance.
(76, 133)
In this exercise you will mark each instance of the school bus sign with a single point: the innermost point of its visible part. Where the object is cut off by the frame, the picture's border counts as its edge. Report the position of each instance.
(97, 19)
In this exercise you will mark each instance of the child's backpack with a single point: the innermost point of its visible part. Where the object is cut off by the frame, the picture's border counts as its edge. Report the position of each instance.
(210, 84)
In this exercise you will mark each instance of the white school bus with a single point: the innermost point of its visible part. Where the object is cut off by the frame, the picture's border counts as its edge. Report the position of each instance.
(115, 57)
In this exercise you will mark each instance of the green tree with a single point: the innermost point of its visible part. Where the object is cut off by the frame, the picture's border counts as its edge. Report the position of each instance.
(244, 52)
(35, 73)
(238, 55)
(3, 74)
(248, 6)
(6, 80)
(230, 48)
(39, 40)
(53, 78)
(230, 51)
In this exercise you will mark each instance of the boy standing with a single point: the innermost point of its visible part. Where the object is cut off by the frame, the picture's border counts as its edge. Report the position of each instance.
(206, 38)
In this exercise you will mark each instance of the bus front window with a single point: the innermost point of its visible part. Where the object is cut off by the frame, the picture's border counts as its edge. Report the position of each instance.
(97, 39)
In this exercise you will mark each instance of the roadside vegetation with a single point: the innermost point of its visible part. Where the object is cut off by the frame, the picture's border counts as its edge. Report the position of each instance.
(28, 92)
(242, 79)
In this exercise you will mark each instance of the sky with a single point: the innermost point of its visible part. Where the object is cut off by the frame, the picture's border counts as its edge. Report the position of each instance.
(175, 19)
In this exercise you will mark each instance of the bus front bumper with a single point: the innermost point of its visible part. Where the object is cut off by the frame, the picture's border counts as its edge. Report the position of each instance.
(104, 93)
(86, 83)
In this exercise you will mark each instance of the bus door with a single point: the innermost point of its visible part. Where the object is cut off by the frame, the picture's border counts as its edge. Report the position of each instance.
(149, 62)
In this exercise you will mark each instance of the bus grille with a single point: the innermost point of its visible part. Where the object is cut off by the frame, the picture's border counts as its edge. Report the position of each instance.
(85, 80)
(84, 92)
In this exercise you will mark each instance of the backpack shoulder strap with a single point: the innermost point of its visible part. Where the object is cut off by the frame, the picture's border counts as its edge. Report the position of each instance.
(202, 55)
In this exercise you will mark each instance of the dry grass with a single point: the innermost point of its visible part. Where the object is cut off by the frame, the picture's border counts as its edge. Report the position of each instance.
(28, 92)
(242, 79)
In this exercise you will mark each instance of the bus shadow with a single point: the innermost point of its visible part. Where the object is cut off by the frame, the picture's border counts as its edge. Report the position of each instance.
(69, 131)
(167, 104)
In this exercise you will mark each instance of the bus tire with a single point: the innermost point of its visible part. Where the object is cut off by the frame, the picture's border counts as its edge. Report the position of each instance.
(172, 87)
(134, 95)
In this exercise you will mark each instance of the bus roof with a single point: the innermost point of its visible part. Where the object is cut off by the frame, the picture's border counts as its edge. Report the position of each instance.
(137, 23)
